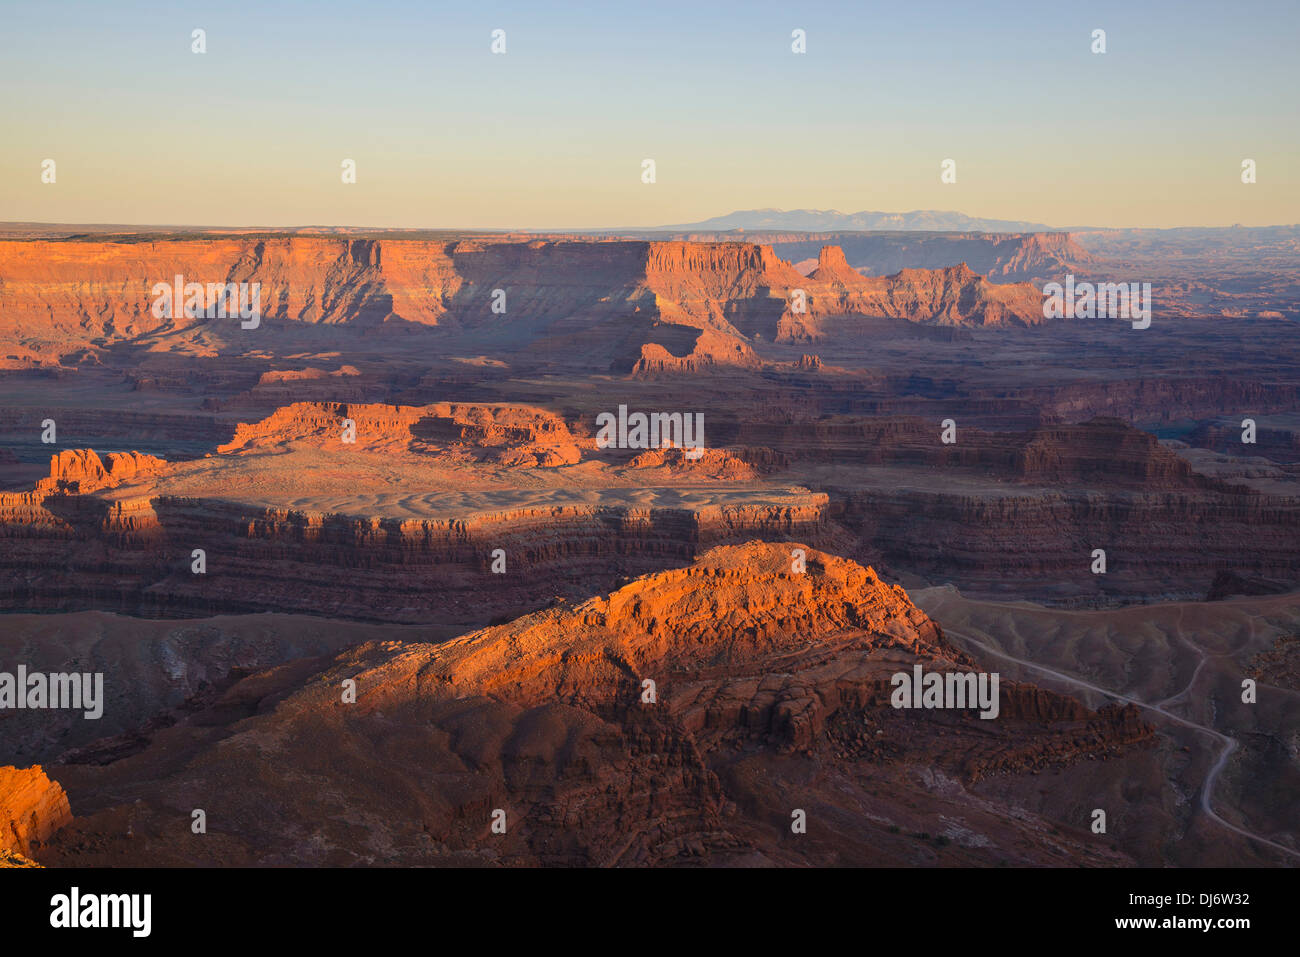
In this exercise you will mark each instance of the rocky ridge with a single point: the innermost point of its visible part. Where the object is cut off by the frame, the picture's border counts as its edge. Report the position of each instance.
(66, 298)
(758, 672)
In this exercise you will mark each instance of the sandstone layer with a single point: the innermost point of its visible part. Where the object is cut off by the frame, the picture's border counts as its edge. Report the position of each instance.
(465, 513)
(32, 809)
(71, 298)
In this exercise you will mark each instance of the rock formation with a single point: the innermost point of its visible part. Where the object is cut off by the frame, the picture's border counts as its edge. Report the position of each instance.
(450, 484)
(395, 479)
(82, 471)
(757, 673)
(1000, 257)
(66, 298)
(510, 437)
(32, 809)
(954, 295)
(443, 488)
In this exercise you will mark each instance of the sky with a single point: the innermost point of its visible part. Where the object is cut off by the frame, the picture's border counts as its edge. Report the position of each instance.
(552, 134)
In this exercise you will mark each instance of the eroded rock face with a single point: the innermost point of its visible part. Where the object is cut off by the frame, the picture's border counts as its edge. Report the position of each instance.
(707, 350)
(510, 437)
(1020, 512)
(14, 859)
(133, 554)
(69, 298)
(82, 471)
(1002, 257)
(446, 486)
(951, 295)
(679, 718)
(1029, 507)
(32, 809)
(1104, 451)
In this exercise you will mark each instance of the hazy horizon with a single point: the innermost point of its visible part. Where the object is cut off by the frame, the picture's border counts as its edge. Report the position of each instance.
(614, 228)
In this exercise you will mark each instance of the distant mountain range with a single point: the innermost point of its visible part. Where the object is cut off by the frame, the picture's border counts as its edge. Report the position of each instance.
(833, 219)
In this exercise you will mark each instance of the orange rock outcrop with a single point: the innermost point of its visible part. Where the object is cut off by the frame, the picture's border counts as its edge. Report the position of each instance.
(68, 298)
(676, 719)
(513, 437)
(32, 809)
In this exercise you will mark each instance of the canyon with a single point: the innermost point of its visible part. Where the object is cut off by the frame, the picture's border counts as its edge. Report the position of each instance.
(277, 516)
(770, 696)
(67, 298)
(389, 482)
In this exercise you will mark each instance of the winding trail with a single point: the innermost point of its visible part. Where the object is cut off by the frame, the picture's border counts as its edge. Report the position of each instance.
(1229, 744)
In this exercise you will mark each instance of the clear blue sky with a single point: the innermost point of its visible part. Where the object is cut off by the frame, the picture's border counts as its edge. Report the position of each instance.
(553, 133)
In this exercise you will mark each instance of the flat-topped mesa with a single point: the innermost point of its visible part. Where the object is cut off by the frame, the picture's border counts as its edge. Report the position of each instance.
(32, 809)
(324, 421)
(682, 270)
(512, 436)
(1105, 450)
(282, 376)
(1038, 254)
(390, 288)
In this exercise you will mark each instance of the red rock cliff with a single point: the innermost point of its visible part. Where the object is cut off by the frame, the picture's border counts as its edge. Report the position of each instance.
(32, 808)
